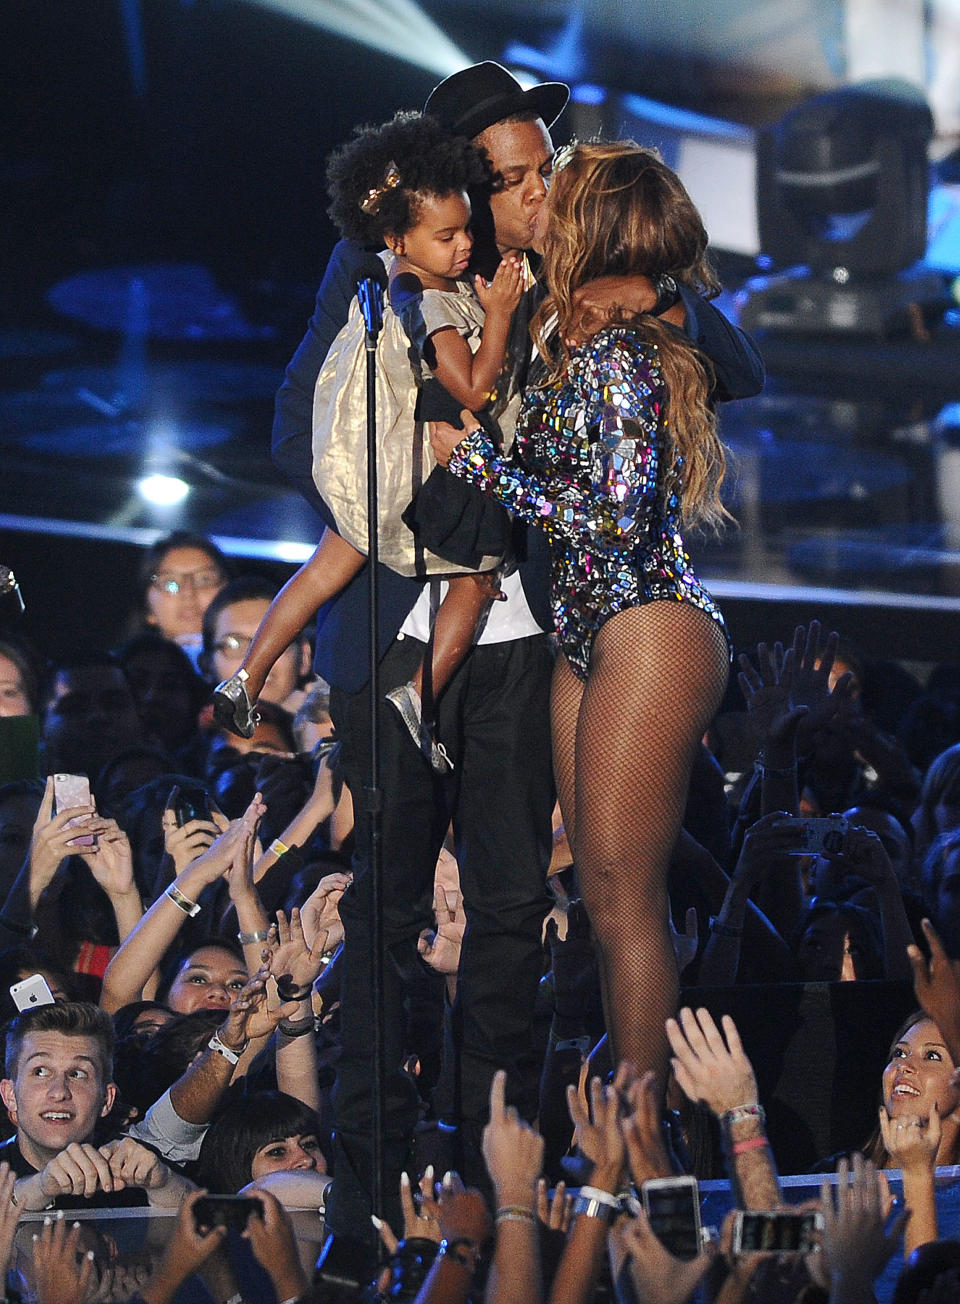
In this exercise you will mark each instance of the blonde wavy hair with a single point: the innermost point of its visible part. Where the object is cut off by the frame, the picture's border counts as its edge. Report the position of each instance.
(616, 209)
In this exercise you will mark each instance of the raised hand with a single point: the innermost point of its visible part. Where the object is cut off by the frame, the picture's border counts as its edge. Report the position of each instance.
(504, 292)
(642, 1129)
(658, 1277)
(512, 1149)
(62, 1274)
(685, 944)
(711, 1065)
(293, 965)
(319, 913)
(50, 840)
(936, 985)
(856, 1245)
(597, 1130)
(274, 1245)
(110, 859)
(440, 948)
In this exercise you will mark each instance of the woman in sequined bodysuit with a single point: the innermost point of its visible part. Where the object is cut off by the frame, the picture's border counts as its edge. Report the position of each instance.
(616, 449)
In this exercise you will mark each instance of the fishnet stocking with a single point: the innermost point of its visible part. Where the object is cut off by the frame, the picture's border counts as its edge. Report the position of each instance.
(624, 745)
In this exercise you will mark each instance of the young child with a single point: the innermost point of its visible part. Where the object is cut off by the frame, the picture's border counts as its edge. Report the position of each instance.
(404, 185)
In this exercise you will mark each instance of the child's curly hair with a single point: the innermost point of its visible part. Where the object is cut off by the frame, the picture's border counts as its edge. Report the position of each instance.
(428, 159)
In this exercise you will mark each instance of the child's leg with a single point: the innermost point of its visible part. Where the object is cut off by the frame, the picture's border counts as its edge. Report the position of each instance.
(466, 599)
(333, 564)
(465, 602)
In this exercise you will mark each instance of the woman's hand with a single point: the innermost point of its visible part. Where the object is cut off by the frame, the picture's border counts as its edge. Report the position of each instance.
(63, 1275)
(709, 1065)
(658, 1277)
(856, 1244)
(110, 859)
(319, 913)
(911, 1140)
(274, 1245)
(293, 965)
(50, 839)
(554, 1213)
(597, 1130)
(444, 438)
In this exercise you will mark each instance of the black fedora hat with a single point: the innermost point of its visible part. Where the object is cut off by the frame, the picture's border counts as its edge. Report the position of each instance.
(469, 101)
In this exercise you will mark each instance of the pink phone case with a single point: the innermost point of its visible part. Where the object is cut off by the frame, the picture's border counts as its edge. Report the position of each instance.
(71, 790)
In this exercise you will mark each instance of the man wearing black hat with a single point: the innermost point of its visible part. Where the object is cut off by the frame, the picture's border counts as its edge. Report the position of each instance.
(493, 717)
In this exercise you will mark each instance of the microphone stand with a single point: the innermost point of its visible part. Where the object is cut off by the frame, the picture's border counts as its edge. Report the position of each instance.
(370, 296)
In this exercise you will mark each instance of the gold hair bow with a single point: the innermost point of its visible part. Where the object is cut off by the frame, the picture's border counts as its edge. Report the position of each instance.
(371, 202)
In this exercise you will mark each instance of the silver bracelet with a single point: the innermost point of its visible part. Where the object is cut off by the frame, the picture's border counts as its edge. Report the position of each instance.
(247, 939)
(182, 902)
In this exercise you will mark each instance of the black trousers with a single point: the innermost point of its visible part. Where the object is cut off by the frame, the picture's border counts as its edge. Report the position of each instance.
(494, 721)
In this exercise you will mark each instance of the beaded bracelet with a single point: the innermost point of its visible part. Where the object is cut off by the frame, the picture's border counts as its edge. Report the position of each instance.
(742, 1113)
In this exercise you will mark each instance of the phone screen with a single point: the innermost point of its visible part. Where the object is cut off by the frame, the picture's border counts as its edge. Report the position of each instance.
(673, 1208)
(775, 1232)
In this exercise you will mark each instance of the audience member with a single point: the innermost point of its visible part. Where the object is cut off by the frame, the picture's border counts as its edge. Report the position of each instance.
(179, 577)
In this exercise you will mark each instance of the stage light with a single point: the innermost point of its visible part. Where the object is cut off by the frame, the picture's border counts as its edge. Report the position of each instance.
(397, 27)
(163, 490)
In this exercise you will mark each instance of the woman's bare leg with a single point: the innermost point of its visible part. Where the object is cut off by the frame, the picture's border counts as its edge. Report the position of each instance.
(657, 677)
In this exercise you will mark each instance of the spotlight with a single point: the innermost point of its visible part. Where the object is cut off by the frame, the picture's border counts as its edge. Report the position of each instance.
(398, 27)
(842, 192)
(163, 490)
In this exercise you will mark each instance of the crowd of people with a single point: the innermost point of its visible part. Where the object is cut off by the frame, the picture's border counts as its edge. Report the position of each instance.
(577, 815)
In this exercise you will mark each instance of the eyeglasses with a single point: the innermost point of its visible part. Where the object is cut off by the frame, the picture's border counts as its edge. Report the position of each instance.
(232, 645)
(167, 582)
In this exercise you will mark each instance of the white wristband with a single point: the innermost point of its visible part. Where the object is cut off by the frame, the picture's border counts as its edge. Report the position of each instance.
(217, 1045)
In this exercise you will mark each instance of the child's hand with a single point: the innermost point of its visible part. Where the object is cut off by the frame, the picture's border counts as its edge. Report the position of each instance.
(504, 292)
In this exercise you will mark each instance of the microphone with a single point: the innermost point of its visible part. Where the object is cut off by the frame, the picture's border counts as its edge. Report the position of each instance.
(370, 298)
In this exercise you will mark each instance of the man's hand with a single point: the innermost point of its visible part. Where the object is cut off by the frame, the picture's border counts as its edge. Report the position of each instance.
(709, 1065)
(133, 1164)
(855, 1244)
(597, 1130)
(186, 1250)
(79, 1169)
(441, 948)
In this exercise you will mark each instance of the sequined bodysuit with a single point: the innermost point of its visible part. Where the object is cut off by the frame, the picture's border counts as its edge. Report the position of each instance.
(592, 465)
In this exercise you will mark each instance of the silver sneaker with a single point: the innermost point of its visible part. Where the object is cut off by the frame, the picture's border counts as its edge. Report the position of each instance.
(232, 708)
(407, 701)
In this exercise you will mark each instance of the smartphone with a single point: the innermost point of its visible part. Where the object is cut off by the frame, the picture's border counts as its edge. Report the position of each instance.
(31, 992)
(225, 1211)
(819, 836)
(191, 804)
(73, 790)
(774, 1231)
(672, 1204)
